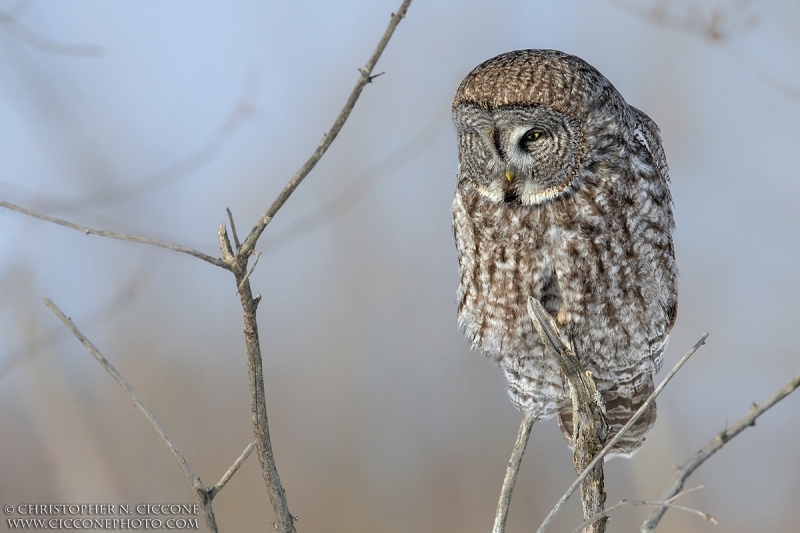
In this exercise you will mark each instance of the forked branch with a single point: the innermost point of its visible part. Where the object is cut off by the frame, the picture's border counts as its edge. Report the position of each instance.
(237, 261)
(713, 446)
(610, 444)
(662, 503)
(204, 495)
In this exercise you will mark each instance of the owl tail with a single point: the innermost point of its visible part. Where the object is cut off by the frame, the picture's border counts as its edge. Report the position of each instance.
(619, 409)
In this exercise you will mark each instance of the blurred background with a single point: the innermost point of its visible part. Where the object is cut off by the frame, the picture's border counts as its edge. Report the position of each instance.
(151, 118)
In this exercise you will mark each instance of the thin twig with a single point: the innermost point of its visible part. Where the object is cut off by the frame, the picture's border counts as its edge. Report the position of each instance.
(717, 27)
(364, 78)
(648, 503)
(231, 471)
(13, 27)
(252, 268)
(193, 479)
(107, 310)
(203, 495)
(511, 474)
(114, 235)
(610, 444)
(233, 229)
(713, 446)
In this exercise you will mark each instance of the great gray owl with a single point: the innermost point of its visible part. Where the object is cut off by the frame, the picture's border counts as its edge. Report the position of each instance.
(563, 195)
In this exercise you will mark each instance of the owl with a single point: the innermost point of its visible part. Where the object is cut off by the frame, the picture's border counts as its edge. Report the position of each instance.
(563, 196)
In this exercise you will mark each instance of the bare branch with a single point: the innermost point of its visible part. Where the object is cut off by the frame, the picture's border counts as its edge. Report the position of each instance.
(193, 479)
(610, 444)
(590, 429)
(713, 446)
(203, 495)
(358, 187)
(238, 265)
(9, 22)
(114, 235)
(636, 503)
(365, 78)
(225, 246)
(107, 310)
(231, 471)
(233, 230)
(252, 269)
(718, 26)
(511, 474)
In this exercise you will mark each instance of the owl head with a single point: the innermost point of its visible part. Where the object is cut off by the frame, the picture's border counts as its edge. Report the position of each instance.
(526, 121)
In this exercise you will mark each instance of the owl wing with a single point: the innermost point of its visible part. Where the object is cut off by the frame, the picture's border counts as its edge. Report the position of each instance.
(648, 134)
(464, 234)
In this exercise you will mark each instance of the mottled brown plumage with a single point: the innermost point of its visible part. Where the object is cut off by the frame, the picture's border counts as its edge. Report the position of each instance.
(563, 195)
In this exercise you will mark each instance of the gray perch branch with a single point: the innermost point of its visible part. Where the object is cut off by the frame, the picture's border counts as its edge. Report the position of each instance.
(610, 444)
(713, 446)
(203, 494)
(590, 429)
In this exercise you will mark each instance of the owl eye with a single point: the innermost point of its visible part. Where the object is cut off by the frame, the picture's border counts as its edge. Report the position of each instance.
(532, 135)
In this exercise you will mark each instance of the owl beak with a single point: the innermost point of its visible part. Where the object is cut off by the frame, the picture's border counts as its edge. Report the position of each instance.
(509, 175)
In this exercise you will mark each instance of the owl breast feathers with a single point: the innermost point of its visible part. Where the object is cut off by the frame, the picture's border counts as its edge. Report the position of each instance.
(563, 195)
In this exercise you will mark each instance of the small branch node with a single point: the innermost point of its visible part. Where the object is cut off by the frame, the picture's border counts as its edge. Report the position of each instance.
(252, 268)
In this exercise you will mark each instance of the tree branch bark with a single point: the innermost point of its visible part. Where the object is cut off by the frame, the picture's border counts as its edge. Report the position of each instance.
(713, 446)
(114, 235)
(366, 77)
(203, 495)
(237, 263)
(511, 474)
(590, 428)
(610, 444)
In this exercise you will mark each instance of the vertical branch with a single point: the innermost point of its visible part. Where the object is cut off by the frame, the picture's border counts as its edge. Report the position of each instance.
(237, 262)
(590, 429)
(610, 444)
(258, 403)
